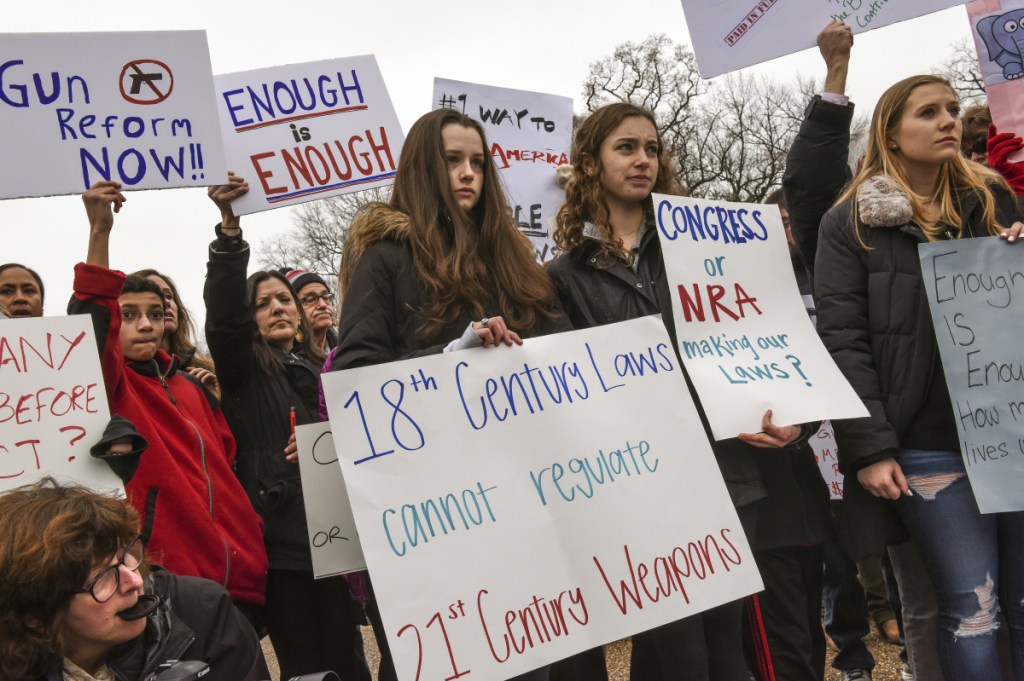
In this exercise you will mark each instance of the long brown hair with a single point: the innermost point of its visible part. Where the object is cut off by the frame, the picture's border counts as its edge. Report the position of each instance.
(53, 536)
(182, 342)
(584, 193)
(460, 258)
(956, 176)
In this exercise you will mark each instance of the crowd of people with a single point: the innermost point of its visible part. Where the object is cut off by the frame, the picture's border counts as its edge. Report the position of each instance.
(206, 449)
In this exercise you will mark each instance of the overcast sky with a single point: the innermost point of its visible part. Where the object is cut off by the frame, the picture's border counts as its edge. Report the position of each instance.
(540, 45)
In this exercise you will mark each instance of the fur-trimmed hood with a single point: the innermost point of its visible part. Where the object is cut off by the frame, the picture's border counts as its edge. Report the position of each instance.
(883, 203)
(375, 222)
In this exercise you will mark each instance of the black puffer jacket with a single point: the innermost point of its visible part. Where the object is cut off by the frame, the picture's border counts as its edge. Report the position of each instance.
(256, 404)
(597, 289)
(378, 319)
(874, 319)
(816, 171)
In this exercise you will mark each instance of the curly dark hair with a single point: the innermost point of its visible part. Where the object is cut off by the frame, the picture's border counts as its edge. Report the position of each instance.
(53, 536)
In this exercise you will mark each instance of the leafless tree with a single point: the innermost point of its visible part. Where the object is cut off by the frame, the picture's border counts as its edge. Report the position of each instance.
(750, 123)
(964, 73)
(318, 233)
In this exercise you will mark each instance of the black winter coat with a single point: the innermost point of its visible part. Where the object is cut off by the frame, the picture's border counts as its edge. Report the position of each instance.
(195, 620)
(816, 171)
(256, 404)
(596, 289)
(378, 316)
(873, 317)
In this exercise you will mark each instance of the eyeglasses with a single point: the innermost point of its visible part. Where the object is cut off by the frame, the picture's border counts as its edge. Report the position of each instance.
(132, 316)
(311, 299)
(980, 145)
(104, 585)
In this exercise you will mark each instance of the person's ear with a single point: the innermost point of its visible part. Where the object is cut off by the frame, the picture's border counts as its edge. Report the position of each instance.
(589, 167)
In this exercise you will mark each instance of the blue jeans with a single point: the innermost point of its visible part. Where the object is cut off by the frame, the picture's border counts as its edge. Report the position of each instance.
(975, 561)
(846, 611)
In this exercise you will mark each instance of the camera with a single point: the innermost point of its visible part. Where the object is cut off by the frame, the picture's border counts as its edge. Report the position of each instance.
(319, 676)
(183, 670)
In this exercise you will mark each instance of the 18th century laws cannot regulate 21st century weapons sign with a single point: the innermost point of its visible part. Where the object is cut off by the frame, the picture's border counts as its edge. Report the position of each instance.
(554, 496)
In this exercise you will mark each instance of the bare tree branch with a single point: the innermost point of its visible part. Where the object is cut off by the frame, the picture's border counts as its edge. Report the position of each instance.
(963, 72)
(318, 233)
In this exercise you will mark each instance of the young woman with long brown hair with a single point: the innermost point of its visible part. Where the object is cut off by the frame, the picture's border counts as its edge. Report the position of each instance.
(441, 267)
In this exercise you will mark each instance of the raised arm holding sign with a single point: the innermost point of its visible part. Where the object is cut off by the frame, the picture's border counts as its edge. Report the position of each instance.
(196, 516)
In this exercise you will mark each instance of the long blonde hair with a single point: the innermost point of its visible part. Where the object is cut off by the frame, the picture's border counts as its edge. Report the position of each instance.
(956, 177)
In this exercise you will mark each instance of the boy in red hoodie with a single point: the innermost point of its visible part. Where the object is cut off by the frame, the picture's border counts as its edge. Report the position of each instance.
(197, 519)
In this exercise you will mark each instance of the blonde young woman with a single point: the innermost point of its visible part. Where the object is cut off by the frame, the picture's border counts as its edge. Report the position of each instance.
(915, 187)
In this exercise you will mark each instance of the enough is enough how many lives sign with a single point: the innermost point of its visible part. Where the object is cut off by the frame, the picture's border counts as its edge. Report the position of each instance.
(975, 290)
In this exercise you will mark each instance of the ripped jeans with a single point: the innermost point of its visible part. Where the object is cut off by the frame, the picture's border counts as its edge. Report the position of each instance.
(975, 561)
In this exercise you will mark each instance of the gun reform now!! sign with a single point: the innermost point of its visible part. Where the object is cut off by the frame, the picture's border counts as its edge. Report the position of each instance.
(136, 108)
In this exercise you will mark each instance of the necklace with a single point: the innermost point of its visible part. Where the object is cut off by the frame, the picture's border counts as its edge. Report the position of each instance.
(631, 233)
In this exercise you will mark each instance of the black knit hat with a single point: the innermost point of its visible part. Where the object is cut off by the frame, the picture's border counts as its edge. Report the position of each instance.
(300, 278)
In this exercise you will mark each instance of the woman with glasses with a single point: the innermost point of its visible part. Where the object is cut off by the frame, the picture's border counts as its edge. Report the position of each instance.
(80, 604)
(318, 304)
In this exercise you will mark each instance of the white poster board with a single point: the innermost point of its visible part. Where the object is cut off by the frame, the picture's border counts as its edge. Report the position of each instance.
(728, 35)
(307, 131)
(530, 135)
(519, 505)
(975, 291)
(77, 108)
(741, 324)
(53, 405)
(333, 540)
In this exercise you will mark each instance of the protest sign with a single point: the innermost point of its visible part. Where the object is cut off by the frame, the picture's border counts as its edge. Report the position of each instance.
(77, 108)
(975, 292)
(530, 134)
(998, 38)
(308, 131)
(555, 496)
(333, 540)
(742, 328)
(728, 35)
(53, 406)
(826, 454)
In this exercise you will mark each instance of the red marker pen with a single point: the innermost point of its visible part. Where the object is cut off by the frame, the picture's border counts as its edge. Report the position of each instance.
(291, 419)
